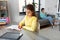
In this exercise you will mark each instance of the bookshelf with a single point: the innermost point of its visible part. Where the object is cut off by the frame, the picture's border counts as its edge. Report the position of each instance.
(3, 12)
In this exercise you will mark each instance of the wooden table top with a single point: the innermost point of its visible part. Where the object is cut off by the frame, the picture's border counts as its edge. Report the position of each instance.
(1, 23)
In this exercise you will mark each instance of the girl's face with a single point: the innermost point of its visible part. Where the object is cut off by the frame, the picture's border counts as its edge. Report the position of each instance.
(28, 12)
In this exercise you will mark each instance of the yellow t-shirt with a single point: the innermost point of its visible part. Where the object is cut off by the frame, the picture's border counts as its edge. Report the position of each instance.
(30, 23)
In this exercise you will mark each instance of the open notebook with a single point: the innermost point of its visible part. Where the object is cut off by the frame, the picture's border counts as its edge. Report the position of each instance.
(14, 27)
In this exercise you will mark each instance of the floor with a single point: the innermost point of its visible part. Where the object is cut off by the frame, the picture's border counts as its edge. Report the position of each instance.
(51, 34)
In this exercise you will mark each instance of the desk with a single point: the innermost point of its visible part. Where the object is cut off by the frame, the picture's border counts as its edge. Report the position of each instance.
(27, 35)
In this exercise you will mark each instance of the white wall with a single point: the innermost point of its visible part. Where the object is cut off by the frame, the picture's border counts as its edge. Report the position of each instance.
(13, 6)
(42, 2)
(51, 6)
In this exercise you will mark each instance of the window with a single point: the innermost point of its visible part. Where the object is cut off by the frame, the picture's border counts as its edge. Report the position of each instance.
(23, 3)
(29, 1)
(36, 5)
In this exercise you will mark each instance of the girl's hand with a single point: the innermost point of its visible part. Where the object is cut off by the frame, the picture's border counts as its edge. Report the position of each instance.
(19, 27)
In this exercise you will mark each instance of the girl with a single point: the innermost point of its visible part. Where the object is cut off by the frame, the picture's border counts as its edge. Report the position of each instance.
(44, 16)
(30, 19)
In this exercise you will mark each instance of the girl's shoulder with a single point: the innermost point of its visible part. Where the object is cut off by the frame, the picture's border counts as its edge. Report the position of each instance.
(25, 15)
(34, 17)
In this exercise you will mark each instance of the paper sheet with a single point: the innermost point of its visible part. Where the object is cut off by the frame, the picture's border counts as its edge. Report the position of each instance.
(14, 27)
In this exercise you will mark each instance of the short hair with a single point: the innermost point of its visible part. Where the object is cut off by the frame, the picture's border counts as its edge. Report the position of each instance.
(42, 9)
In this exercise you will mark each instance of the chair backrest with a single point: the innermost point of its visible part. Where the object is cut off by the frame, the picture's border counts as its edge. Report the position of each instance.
(38, 27)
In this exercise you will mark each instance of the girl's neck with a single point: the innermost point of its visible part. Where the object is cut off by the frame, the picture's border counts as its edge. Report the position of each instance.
(29, 16)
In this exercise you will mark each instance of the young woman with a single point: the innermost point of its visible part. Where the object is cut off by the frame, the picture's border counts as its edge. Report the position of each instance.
(30, 19)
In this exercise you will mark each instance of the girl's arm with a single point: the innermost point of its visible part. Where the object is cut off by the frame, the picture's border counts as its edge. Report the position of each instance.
(21, 23)
(34, 25)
